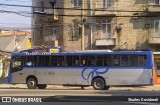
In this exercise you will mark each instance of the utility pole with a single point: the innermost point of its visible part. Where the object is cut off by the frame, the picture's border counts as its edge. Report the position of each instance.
(82, 42)
(52, 2)
(91, 28)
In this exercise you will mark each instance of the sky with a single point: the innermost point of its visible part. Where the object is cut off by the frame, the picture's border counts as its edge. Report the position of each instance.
(11, 21)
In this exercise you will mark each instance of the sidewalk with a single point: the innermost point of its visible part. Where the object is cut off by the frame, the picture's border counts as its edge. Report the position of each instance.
(58, 87)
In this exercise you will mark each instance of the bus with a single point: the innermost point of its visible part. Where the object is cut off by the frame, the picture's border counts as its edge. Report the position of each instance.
(100, 69)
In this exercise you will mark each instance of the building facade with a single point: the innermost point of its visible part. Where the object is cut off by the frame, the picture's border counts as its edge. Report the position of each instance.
(97, 24)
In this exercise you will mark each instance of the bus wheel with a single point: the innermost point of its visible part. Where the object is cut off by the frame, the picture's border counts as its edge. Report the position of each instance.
(31, 83)
(98, 84)
(42, 86)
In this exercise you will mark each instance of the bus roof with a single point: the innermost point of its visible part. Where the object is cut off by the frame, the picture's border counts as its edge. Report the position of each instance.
(80, 53)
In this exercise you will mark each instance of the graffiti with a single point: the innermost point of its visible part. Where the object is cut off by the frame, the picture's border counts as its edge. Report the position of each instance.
(94, 72)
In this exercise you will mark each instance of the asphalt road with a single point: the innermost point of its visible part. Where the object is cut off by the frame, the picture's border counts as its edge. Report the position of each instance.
(52, 96)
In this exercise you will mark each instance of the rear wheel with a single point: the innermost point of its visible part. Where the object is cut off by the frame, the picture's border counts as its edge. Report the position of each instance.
(31, 83)
(98, 84)
(42, 86)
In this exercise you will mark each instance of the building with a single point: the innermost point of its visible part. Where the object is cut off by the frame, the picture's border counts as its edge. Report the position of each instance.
(11, 41)
(97, 24)
(14, 40)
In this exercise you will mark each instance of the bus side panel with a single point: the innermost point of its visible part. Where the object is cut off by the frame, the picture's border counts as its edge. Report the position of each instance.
(50, 75)
(120, 76)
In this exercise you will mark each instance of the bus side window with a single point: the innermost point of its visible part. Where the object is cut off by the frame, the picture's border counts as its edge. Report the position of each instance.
(107, 60)
(75, 60)
(142, 60)
(57, 61)
(69, 61)
(91, 60)
(116, 60)
(100, 60)
(83, 60)
(133, 60)
(28, 61)
(124, 60)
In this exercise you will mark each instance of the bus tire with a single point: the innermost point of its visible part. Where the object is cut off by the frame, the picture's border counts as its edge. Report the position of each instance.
(31, 83)
(98, 84)
(42, 86)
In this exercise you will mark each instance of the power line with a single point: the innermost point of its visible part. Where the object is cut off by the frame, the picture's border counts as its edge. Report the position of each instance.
(67, 8)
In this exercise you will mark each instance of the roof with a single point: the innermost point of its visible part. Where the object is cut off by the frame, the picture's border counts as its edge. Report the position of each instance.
(15, 32)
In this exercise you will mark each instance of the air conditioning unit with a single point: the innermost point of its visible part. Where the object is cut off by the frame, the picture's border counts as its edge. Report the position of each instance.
(119, 26)
(147, 25)
(55, 17)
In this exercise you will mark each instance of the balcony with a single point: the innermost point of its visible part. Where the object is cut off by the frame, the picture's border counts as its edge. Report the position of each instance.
(154, 40)
(107, 9)
(106, 42)
(154, 8)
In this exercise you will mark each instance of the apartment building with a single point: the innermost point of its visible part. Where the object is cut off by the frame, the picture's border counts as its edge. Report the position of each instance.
(97, 24)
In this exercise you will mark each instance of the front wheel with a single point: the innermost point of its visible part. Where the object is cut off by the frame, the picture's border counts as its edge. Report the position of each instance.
(42, 86)
(31, 83)
(98, 84)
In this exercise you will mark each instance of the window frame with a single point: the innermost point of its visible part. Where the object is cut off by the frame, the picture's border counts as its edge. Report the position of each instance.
(155, 33)
(108, 28)
(77, 2)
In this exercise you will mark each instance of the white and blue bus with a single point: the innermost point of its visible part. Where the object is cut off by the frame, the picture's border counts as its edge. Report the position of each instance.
(98, 69)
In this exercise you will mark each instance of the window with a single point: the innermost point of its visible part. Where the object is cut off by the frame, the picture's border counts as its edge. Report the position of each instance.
(57, 61)
(106, 29)
(124, 60)
(72, 61)
(69, 60)
(142, 60)
(77, 3)
(107, 3)
(116, 60)
(157, 1)
(43, 61)
(91, 60)
(35, 61)
(107, 60)
(157, 28)
(75, 60)
(133, 60)
(84, 60)
(100, 60)
(28, 61)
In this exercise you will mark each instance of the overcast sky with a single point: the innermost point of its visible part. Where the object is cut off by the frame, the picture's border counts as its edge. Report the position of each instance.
(14, 21)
